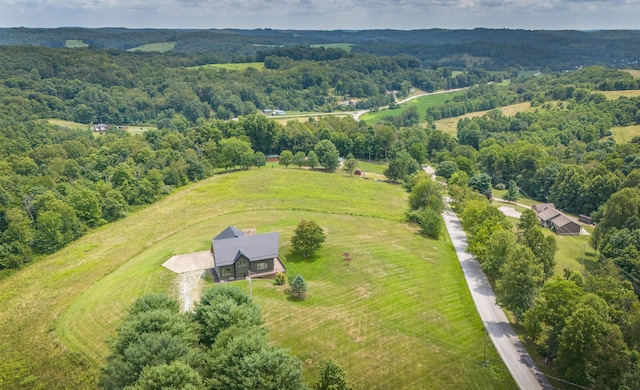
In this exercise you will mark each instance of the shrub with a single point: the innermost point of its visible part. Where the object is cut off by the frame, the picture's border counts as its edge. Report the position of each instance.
(280, 279)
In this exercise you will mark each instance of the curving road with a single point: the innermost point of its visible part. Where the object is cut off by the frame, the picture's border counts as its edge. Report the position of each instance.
(358, 114)
(515, 356)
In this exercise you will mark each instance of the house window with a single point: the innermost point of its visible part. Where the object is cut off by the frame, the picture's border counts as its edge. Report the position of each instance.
(261, 266)
(226, 271)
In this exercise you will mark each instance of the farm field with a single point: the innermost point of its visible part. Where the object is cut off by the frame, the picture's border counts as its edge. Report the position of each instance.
(449, 125)
(75, 43)
(623, 134)
(611, 95)
(634, 72)
(160, 47)
(233, 66)
(421, 103)
(133, 129)
(398, 315)
(68, 124)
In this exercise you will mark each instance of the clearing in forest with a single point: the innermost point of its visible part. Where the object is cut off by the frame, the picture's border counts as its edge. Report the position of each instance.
(398, 314)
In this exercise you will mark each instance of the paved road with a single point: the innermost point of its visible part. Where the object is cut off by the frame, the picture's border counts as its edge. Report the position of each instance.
(515, 356)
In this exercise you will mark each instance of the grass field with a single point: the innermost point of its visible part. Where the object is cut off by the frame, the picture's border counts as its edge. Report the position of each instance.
(344, 46)
(421, 103)
(233, 66)
(624, 134)
(304, 116)
(398, 315)
(160, 47)
(68, 124)
(133, 129)
(634, 72)
(616, 94)
(75, 43)
(449, 125)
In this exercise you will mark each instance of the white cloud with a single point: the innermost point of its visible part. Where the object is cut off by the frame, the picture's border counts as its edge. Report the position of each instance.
(324, 14)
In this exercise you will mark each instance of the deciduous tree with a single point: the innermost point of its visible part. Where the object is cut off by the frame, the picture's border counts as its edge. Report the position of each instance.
(307, 238)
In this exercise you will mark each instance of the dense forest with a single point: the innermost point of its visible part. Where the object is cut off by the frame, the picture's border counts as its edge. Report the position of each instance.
(56, 183)
(491, 49)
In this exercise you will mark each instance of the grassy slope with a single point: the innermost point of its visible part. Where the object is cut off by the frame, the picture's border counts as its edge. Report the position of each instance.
(421, 103)
(160, 47)
(68, 124)
(399, 314)
(449, 125)
(75, 43)
(233, 66)
(624, 134)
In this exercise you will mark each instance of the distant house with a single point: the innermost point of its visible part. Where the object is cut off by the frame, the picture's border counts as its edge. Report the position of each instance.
(555, 220)
(542, 206)
(278, 112)
(100, 127)
(273, 157)
(237, 255)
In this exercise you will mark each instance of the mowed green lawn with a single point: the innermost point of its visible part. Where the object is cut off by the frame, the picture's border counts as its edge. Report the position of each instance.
(421, 103)
(399, 314)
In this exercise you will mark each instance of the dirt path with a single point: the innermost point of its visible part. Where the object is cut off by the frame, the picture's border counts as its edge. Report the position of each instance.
(187, 284)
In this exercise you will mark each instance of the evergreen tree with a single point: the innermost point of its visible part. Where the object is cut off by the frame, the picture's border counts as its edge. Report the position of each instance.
(298, 287)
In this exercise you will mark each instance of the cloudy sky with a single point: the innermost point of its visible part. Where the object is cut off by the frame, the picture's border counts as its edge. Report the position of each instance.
(324, 14)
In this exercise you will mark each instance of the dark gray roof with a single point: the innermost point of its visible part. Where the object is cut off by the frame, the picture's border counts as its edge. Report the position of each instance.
(548, 214)
(229, 232)
(259, 247)
(562, 220)
(538, 208)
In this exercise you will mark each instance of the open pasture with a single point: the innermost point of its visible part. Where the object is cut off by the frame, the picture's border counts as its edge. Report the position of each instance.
(611, 95)
(450, 125)
(624, 134)
(421, 103)
(397, 315)
(160, 47)
(232, 66)
(75, 44)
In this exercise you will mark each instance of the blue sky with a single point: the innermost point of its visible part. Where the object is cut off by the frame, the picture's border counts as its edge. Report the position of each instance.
(324, 14)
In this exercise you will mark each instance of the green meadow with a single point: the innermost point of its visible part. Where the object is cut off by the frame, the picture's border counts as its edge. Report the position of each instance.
(398, 314)
(160, 47)
(233, 66)
(133, 129)
(421, 103)
(75, 43)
